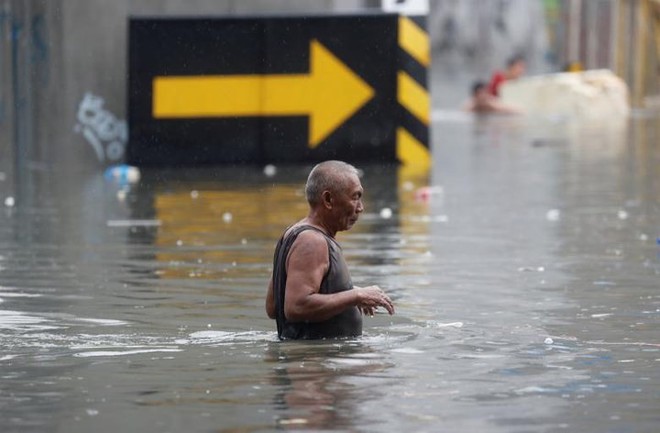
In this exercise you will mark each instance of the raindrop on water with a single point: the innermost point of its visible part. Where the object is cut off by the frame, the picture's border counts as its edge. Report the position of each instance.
(553, 215)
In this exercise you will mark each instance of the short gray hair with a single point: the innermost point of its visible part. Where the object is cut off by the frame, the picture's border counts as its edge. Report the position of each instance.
(327, 176)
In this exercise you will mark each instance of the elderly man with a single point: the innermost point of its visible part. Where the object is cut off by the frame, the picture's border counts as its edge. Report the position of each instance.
(310, 294)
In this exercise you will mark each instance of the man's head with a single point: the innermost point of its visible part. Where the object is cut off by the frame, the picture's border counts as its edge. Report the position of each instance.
(481, 97)
(515, 67)
(479, 90)
(334, 192)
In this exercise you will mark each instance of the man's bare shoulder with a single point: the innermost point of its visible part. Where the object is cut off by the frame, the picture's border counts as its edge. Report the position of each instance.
(309, 248)
(310, 239)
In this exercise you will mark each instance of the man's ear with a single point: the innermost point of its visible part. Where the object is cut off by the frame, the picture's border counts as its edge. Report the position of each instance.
(326, 198)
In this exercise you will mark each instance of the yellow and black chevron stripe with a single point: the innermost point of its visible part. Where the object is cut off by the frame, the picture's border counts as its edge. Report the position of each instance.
(412, 135)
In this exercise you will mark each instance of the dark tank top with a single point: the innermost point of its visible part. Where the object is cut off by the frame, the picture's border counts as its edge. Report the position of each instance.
(348, 323)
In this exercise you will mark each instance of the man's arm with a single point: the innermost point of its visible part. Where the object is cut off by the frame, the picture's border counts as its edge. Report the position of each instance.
(499, 107)
(468, 105)
(270, 300)
(307, 263)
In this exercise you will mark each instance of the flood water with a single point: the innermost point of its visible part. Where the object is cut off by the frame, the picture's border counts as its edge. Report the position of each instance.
(526, 282)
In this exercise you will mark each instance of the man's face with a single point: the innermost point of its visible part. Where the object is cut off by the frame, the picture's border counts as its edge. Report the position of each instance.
(348, 204)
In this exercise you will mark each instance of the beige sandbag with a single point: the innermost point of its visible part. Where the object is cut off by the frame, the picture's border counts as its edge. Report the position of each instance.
(588, 95)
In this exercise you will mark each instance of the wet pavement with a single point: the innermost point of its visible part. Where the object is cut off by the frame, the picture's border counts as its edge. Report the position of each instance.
(526, 280)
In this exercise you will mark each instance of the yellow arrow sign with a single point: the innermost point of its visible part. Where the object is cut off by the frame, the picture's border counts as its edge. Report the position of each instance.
(329, 94)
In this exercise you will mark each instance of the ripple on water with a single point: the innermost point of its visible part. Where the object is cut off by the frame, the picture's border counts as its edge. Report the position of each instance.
(407, 350)
(22, 322)
(211, 338)
(124, 352)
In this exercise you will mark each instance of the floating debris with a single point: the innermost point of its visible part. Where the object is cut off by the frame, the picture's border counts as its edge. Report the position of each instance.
(270, 170)
(426, 192)
(408, 186)
(123, 174)
(553, 215)
(531, 269)
(292, 421)
(386, 213)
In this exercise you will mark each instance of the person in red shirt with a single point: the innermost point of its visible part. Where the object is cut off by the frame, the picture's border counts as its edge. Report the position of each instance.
(515, 67)
(482, 102)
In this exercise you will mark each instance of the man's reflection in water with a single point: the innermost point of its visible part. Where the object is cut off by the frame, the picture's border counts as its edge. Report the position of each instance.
(319, 382)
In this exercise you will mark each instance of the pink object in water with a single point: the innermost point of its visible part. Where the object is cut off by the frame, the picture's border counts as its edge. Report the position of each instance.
(426, 192)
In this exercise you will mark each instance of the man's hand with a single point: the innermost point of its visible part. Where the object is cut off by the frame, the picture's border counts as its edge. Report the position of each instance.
(372, 297)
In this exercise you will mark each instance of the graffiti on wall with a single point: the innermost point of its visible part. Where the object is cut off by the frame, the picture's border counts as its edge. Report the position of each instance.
(102, 130)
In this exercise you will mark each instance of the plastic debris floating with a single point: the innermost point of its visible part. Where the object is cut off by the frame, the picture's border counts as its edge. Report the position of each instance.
(122, 174)
(553, 215)
(426, 192)
(386, 213)
(270, 170)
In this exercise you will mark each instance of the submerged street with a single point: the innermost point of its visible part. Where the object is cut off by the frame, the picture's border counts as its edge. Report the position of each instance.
(525, 278)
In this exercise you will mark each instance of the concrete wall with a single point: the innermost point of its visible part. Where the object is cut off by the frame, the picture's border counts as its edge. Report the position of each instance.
(482, 34)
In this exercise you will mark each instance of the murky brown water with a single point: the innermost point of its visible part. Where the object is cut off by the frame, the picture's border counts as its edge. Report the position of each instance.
(527, 291)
